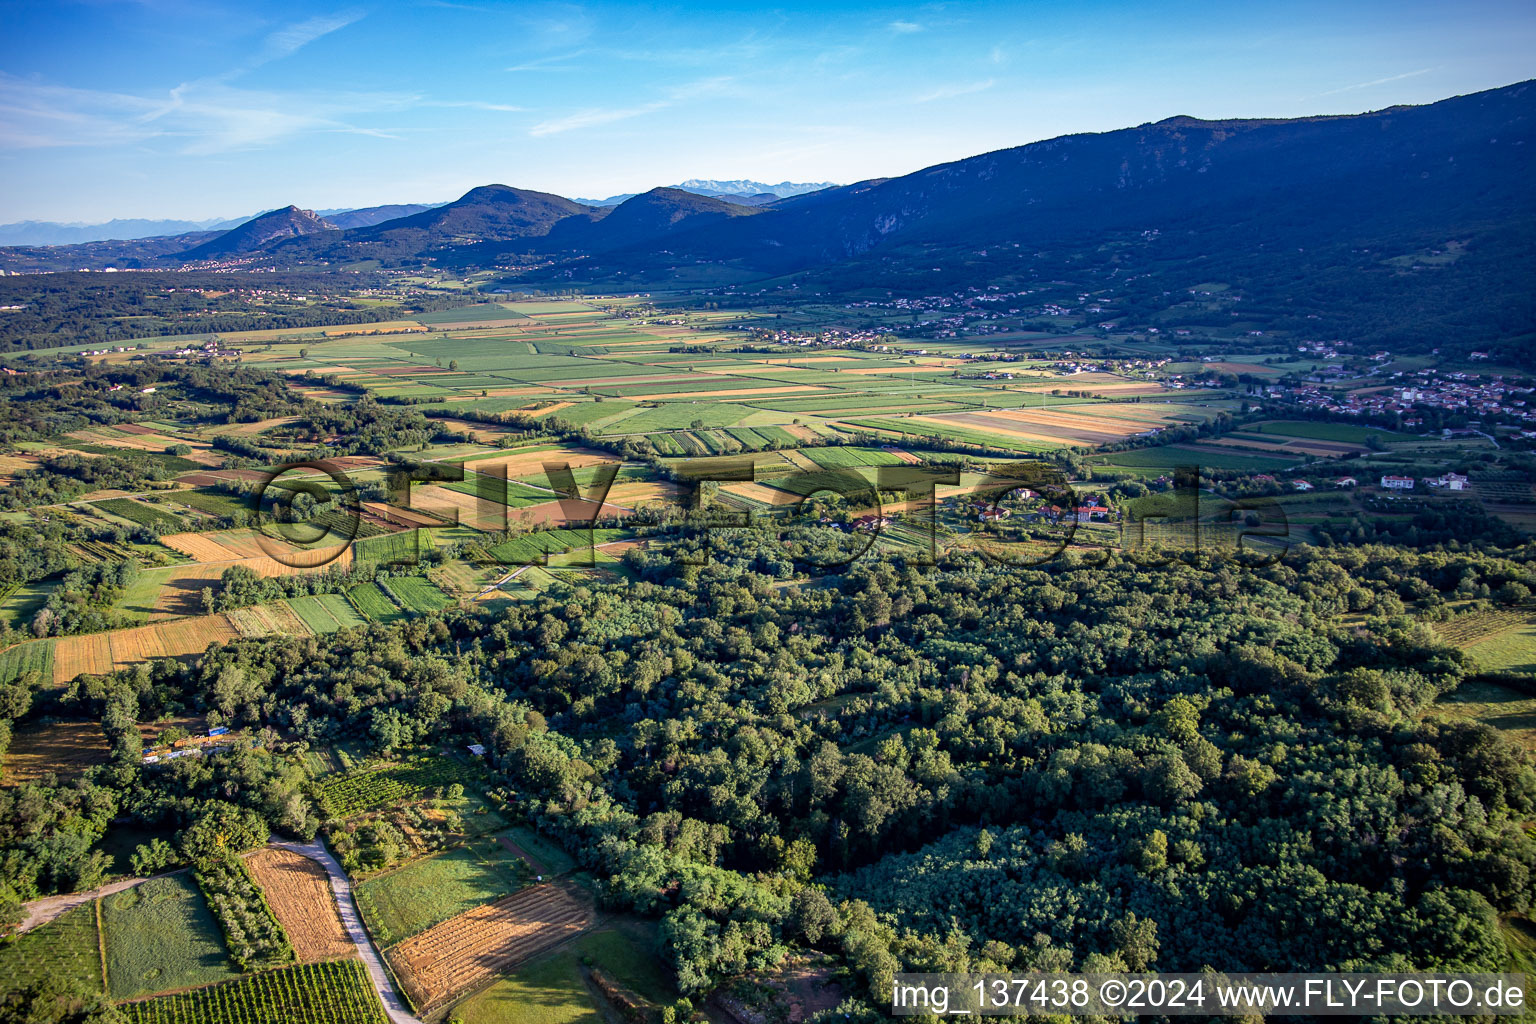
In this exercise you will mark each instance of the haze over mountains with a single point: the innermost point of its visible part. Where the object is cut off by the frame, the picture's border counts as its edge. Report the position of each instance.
(43, 232)
(1456, 169)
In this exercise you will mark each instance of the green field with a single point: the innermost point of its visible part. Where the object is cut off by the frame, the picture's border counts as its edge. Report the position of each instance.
(403, 548)
(1510, 650)
(920, 428)
(412, 899)
(1512, 711)
(326, 613)
(338, 992)
(1165, 458)
(34, 659)
(22, 603)
(64, 948)
(552, 990)
(374, 603)
(416, 594)
(161, 936)
(214, 503)
(846, 457)
(1347, 432)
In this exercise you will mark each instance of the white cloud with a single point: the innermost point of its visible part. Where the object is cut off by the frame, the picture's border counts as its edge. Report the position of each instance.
(905, 27)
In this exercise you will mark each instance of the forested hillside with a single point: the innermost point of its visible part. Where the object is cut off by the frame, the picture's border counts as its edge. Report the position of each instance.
(1139, 767)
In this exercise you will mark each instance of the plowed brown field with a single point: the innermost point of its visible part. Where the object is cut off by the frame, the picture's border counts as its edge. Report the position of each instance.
(464, 952)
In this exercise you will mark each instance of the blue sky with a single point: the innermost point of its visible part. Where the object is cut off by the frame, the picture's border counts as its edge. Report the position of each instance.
(205, 108)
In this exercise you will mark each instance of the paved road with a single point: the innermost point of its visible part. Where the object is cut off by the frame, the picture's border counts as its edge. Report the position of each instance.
(341, 886)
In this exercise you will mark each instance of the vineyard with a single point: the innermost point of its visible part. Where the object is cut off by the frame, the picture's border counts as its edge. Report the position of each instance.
(137, 512)
(1468, 628)
(336, 992)
(254, 937)
(466, 951)
(64, 949)
(379, 783)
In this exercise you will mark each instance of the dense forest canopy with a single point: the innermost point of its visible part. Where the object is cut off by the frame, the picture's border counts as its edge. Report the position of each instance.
(936, 768)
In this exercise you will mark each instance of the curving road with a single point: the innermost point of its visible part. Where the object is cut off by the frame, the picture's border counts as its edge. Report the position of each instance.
(341, 888)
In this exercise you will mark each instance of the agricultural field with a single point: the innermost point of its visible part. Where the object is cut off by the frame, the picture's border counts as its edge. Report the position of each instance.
(325, 613)
(139, 513)
(277, 619)
(1163, 460)
(336, 992)
(299, 893)
(33, 659)
(413, 593)
(383, 782)
(1510, 710)
(160, 936)
(374, 603)
(847, 457)
(62, 748)
(252, 934)
(425, 892)
(553, 989)
(466, 951)
(65, 949)
(1511, 650)
(99, 653)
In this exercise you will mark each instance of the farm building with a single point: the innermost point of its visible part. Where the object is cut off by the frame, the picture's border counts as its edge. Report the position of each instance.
(1397, 483)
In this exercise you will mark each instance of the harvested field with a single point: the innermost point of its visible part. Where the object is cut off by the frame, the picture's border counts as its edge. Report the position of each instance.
(103, 652)
(79, 655)
(268, 620)
(299, 892)
(531, 464)
(763, 493)
(471, 510)
(644, 490)
(182, 592)
(465, 951)
(66, 748)
(244, 547)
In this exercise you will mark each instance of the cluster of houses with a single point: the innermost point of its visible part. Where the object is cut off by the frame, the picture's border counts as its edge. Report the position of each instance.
(1472, 394)
(1446, 481)
(977, 310)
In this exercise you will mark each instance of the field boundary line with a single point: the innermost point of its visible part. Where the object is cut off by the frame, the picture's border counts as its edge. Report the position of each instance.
(101, 947)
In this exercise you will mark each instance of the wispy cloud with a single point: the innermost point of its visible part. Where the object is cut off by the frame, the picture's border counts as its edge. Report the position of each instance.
(506, 108)
(949, 92)
(293, 38)
(194, 118)
(593, 117)
(904, 27)
(555, 62)
(1374, 82)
